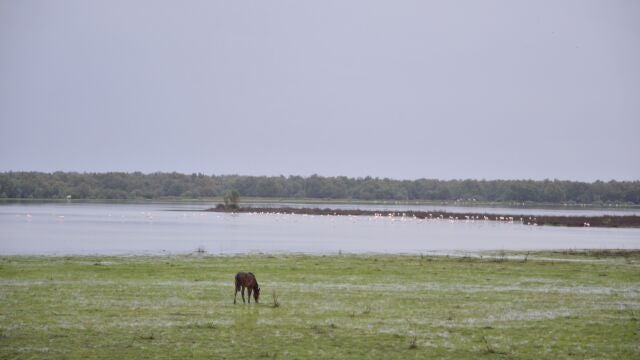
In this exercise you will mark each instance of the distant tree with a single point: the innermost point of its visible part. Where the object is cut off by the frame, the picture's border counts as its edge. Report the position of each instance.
(231, 199)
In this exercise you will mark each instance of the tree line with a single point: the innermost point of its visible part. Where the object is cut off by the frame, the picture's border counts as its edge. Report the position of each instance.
(120, 185)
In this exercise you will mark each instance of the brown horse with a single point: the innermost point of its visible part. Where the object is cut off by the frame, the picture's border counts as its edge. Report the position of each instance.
(246, 280)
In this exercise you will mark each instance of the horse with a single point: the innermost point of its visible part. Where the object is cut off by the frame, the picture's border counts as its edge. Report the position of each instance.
(246, 280)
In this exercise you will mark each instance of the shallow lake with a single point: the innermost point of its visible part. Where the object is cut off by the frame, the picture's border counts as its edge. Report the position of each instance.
(149, 228)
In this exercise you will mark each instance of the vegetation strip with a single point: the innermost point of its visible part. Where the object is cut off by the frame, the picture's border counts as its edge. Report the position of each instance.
(120, 185)
(629, 221)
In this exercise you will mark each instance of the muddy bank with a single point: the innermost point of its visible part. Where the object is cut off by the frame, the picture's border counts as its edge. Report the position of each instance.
(630, 221)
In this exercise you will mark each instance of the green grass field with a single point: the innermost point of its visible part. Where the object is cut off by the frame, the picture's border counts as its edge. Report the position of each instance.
(554, 305)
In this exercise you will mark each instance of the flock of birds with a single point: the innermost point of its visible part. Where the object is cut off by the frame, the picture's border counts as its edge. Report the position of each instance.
(392, 216)
(29, 217)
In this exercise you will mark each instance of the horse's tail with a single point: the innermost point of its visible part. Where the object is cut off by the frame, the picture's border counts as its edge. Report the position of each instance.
(237, 284)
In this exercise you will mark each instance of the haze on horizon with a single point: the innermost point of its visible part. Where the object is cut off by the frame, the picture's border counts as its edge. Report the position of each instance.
(403, 89)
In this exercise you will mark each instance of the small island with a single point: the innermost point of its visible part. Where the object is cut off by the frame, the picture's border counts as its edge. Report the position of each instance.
(609, 221)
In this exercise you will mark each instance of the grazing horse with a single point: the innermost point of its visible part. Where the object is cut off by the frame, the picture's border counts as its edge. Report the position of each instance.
(246, 280)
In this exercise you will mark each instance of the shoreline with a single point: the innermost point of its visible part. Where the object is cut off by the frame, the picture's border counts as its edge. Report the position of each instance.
(559, 254)
(607, 221)
(267, 200)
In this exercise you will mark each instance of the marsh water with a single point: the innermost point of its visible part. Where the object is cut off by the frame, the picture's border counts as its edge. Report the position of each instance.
(176, 228)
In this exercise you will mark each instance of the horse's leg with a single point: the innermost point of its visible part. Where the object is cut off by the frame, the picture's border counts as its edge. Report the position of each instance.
(235, 294)
(242, 292)
(249, 291)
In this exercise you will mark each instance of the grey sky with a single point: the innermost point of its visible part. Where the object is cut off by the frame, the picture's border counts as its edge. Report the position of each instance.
(401, 89)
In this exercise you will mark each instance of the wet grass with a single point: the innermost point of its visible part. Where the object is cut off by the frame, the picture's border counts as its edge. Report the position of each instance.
(328, 307)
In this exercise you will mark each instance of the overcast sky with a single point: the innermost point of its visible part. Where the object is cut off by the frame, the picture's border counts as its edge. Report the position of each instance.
(400, 89)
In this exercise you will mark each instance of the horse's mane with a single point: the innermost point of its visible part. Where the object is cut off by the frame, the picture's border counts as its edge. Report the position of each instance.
(254, 279)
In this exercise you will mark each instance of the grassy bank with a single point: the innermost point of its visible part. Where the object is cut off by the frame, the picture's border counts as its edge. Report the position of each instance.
(631, 221)
(569, 305)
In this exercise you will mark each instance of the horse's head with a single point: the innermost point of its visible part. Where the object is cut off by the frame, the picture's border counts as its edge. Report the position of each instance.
(256, 293)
